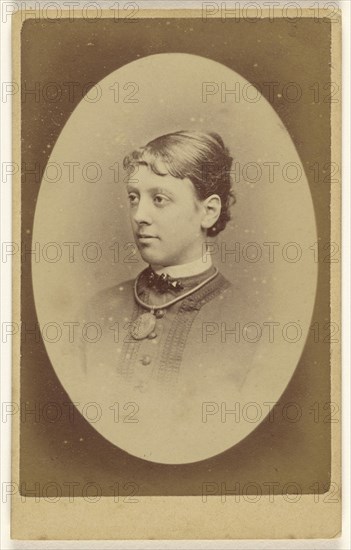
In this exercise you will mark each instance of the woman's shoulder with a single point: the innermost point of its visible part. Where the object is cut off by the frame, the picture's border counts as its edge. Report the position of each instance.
(111, 299)
(226, 297)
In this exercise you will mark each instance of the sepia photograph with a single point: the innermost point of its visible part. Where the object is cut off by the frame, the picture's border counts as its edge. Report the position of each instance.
(176, 254)
(178, 283)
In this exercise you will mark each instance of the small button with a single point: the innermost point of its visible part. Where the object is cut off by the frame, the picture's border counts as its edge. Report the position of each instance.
(159, 313)
(152, 335)
(146, 360)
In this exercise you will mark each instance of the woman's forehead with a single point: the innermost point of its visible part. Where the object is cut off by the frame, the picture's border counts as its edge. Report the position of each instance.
(144, 177)
(147, 182)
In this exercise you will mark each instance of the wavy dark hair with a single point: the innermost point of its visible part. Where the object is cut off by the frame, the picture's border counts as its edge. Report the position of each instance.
(200, 156)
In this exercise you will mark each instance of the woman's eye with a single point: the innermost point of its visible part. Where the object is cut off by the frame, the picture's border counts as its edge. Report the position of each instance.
(160, 200)
(133, 199)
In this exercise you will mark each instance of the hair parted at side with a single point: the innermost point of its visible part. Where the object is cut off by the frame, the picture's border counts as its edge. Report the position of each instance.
(200, 156)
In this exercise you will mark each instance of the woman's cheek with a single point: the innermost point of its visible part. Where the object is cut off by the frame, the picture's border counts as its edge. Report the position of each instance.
(178, 217)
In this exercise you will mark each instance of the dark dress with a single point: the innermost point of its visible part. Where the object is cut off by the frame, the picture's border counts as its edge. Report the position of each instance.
(193, 323)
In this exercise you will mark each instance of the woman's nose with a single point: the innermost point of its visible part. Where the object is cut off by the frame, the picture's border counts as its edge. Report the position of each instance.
(142, 212)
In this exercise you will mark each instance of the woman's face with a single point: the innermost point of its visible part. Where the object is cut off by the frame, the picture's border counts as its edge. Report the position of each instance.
(166, 218)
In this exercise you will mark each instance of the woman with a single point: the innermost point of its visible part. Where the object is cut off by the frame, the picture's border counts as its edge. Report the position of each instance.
(165, 322)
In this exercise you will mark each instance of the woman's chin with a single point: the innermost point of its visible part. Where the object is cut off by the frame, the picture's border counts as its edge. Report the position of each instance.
(155, 259)
(150, 258)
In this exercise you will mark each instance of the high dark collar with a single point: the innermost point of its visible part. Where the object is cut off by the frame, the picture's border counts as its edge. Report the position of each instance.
(165, 284)
(195, 300)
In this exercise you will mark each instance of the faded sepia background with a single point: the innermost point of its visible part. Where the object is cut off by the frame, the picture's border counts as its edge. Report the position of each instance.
(263, 52)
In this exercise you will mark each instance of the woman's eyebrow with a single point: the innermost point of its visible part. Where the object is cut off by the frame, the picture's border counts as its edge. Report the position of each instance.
(131, 188)
(151, 190)
(161, 190)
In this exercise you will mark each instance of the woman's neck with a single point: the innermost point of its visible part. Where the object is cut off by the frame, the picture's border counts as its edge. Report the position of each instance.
(187, 269)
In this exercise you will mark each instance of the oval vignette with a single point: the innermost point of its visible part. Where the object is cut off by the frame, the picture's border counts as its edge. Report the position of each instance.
(82, 214)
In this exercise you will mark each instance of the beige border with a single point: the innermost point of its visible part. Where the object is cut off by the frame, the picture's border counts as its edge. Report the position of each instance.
(181, 517)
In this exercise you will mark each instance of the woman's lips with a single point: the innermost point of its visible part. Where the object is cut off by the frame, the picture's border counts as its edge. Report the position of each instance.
(146, 238)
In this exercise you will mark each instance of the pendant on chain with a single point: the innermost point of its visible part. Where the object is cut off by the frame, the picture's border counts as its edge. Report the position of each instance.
(143, 326)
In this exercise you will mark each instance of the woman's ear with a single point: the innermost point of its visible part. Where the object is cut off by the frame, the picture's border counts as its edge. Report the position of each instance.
(211, 211)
